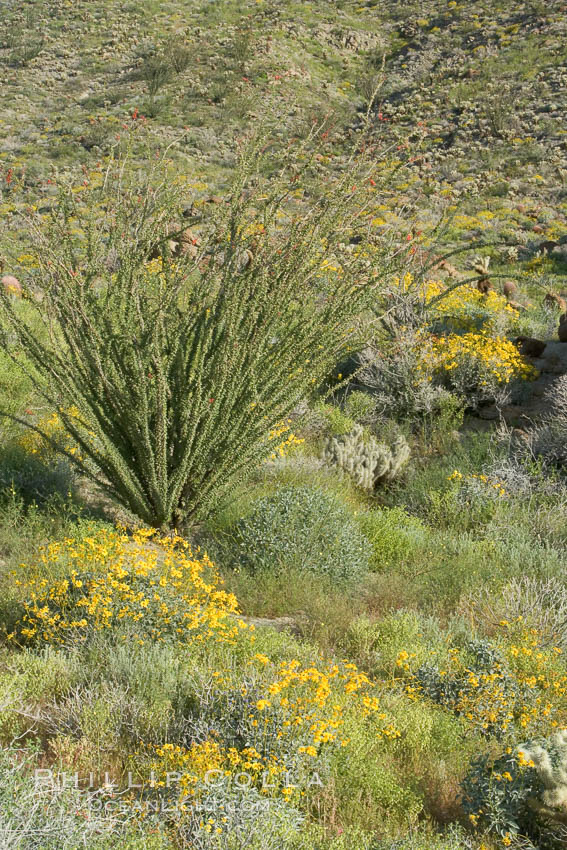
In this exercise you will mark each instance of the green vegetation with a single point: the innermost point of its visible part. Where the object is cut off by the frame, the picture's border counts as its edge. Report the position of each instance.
(283, 493)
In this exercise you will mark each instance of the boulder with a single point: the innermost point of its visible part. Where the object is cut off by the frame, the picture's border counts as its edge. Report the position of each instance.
(509, 288)
(11, 285)
(188, 243)
(547, 246)
(530, 347)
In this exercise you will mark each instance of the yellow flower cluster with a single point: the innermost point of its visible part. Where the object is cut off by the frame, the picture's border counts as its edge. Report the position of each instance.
(300, 710)
(290, 439)
(527, 689)
(497, 486)
(462, 303)
(33, 443)
(156, 582)
(314, 701)
(494, 358)
(210, 759)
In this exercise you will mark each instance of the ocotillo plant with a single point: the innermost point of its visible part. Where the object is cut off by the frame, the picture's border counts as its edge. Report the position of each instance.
(180, 366)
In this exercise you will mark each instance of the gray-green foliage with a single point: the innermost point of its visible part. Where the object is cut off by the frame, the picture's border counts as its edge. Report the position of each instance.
(315, 838)
(302, 528)
(367, 460)
(179, 372)
(37, 815)
(522, 793)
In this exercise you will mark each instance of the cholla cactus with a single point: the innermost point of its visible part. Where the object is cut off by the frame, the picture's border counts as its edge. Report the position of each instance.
(480, 265)
(550, 763)
(509, 254)
(364, 458)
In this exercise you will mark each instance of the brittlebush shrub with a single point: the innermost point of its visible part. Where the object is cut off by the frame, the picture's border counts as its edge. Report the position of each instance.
(521, 795)
(474, 365)
(143, 587)
(182, 357)
(302, 529)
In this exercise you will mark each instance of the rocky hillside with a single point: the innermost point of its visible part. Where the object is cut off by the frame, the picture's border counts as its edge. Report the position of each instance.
(471, 97)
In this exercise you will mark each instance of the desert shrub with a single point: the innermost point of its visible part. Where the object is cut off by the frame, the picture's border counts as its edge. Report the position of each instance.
(474, 365)
(429, 736)
(392, 374)
(394, 534)
(302, 528)
(466, 503)
(180, 366)
(273, 721)
(360, 406)
(156, 72)
(444, 338)
(439, 428)
(521, 795)
(548, 440)
(385, 641)
(179, 54)
(463, 308)
(239, 819)
(52, 816)
(158, 591)
(332, 419)
(361, 641)
(28, 682)
(316, 838)
(469, 457)
(29, 49)
(509, 686)
(538, 603)
(367, 790)
(433, 749)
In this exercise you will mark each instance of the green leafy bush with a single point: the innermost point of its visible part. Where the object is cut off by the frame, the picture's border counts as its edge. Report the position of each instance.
(360, 406)
(302, 528)
(368, 788)
(394, 534)
(333, 419)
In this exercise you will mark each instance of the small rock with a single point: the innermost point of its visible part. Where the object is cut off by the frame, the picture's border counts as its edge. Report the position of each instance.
(547, 247)
(490, 412)
(280, 624)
